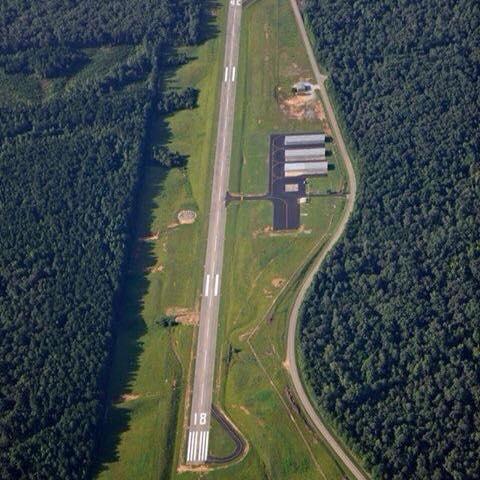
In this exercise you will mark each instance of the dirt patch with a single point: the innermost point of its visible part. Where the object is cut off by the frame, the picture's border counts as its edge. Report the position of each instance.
(127, 397)
(302, 107)
(286, 233)
(156, 269)
(150, 237)
(182, 315)
(278, 282)
(186, 217)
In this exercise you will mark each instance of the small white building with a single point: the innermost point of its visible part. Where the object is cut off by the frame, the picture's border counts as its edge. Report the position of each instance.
(302, 88)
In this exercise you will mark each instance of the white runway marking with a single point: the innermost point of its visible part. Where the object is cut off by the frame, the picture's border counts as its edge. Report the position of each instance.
(233, 74)
(207, 285)
(200, 448)
(189, 448)
(205, 449)
(197, 450)
(195, 446)
(226, 73)
(216, 285)
(192, 446)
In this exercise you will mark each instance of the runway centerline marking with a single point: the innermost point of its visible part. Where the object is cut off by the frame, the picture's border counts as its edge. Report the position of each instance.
(197, 451)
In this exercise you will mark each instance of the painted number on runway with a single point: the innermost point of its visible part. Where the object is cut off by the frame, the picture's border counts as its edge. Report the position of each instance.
(236, 3)
(200, 418)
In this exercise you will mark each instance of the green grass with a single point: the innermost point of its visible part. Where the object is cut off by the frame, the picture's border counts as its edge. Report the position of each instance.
(152, 362)
(221, 443)
(252, 383)
(145, 434)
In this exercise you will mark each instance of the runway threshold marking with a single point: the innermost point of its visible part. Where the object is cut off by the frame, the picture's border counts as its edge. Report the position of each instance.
(226, 73)
(216, 285)
(197, 449)
(233, 74)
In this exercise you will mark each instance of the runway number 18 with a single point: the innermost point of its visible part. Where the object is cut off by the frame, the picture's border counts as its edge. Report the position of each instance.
(202, 420)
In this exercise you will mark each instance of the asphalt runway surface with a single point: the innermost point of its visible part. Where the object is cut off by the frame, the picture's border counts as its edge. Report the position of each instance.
(201, 402)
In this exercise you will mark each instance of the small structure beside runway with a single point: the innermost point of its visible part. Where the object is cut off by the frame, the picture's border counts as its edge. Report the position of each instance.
(293, 158)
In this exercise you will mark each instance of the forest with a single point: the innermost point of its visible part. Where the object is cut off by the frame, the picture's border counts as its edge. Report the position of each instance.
(70, 167)
(390, 328)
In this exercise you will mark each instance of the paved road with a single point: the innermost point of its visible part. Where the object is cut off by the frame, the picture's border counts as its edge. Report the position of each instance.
(199, 427)
(292, 329)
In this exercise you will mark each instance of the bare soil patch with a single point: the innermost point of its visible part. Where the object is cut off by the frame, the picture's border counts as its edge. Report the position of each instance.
(302, 107)
(278, 282)
(183, 315)
(156, 268)
(150, 237)
(127, 397)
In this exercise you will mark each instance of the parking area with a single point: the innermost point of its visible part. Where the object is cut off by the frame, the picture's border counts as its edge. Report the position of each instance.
(292, 159)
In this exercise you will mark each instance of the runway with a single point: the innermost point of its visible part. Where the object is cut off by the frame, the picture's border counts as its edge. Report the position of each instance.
(201, 403)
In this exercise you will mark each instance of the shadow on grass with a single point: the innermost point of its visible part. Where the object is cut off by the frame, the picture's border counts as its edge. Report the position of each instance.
(131, 327)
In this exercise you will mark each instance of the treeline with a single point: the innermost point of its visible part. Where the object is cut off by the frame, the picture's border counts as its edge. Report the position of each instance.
(69, 170)
(46, 37)
(45, 62)
(390, 331)
(28, 24)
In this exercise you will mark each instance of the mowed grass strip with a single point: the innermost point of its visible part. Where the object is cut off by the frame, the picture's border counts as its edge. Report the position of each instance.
(251, 384)
(151, 362)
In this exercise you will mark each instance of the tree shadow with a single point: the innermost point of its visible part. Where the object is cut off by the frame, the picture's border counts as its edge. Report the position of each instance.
(130, 326)
(208, 21)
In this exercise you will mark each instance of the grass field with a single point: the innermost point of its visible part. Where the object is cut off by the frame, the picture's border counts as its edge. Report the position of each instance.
(151, 362)
(251, 382)
(152, 365)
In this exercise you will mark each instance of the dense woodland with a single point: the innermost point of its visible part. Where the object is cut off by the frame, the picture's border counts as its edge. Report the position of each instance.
(69, 169)
(390, 331)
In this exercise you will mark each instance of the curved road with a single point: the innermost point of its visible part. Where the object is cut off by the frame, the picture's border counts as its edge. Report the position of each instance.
(292, 328)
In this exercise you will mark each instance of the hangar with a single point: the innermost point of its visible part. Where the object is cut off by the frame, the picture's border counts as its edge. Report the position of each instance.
(306, 168)
(304, 154)
(305, 139)
(293, 158)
